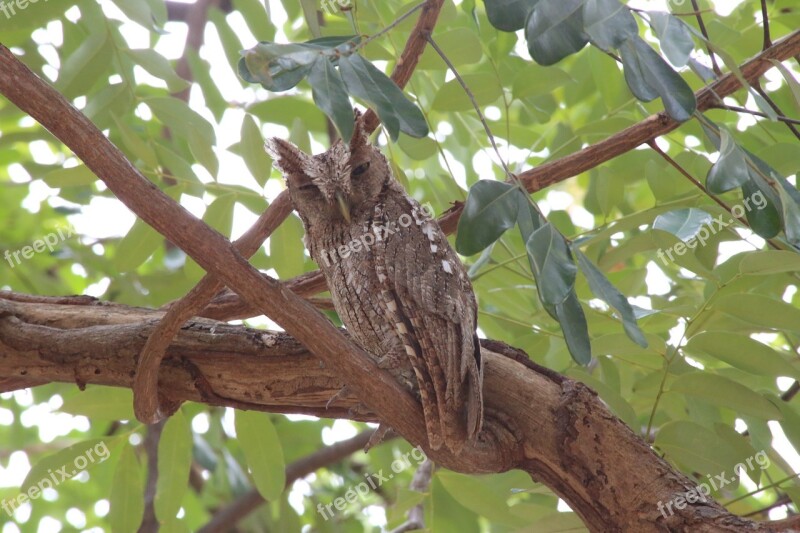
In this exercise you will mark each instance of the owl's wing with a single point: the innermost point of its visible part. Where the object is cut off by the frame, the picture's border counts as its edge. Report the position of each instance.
(429, 295)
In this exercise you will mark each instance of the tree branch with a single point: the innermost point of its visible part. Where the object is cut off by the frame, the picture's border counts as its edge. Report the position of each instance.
(411, 53)
(562, 434)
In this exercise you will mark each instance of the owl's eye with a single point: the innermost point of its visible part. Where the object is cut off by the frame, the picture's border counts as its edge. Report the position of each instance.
(360, 169)
(307, 186)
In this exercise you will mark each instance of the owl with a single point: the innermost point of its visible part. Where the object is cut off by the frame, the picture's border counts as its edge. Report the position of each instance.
(397, 285)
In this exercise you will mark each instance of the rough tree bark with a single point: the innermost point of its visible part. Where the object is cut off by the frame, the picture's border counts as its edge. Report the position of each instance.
(559, 431)
(552, 427)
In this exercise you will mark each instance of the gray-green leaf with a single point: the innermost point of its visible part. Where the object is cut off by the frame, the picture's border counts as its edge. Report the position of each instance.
(603, 289)
(555, 30)
(490, 209)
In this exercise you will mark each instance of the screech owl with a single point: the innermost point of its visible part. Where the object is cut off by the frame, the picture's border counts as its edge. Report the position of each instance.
(397, 285)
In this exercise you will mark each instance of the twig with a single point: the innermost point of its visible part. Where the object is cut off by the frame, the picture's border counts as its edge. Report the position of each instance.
(419, 483)
(775, 107)
(151, 440)
(411, 53)
(703, 30)
(475, 105)
(739, 109)
(391, 26)
(742, 220)
(765, 21)
(224, 519)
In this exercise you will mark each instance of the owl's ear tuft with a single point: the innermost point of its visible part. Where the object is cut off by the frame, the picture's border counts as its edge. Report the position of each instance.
(360, 137)
(287, 157)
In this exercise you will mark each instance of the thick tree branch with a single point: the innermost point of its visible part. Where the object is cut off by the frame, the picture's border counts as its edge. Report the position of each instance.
(148, 406)
(564, 435)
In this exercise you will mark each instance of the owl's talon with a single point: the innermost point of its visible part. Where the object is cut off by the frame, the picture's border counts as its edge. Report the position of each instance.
(377, 437)
(344, 390)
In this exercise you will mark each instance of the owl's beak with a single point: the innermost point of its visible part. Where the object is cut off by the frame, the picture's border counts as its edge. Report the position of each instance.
(344, 207)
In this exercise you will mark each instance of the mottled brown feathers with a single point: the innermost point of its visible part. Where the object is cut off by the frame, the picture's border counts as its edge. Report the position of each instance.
(396, 283)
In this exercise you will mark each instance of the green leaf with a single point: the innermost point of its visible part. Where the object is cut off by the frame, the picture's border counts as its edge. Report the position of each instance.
(791, 214)
(81, 70)
(490, 209)
(730, 170)
(473, 493)
(791, 81)
(127, 493)
(760, 312)
(174, 463)
(555, 267)
(683, 223)
(674, 36)
(138, 146)
(365, 81)
(417, 149)
(203, 153)
(766, 221)
(725, 392)
(603, 289)
(694, 446)
(462, 46)
(256, 16)
(451, 96)
(63, 465)
(330, 95)
(285, 256)
(555, 30)
(201, 72)
(263, 451)
(134, 249)
(158, 66)
(528, 218)
(255, 157)
(101, 403)
(70, 177)
(508, 15)
(742, 352)
(768, 262)
(608, 23)
(180, 118)
(648, 76)
(279, 67)
(576, 331)
(138, 11)
(219, 215)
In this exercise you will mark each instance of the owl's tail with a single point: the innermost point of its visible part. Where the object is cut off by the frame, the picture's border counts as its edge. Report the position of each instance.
(461, 407)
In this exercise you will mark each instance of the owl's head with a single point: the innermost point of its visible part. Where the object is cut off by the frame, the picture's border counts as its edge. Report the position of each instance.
(334, 186)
